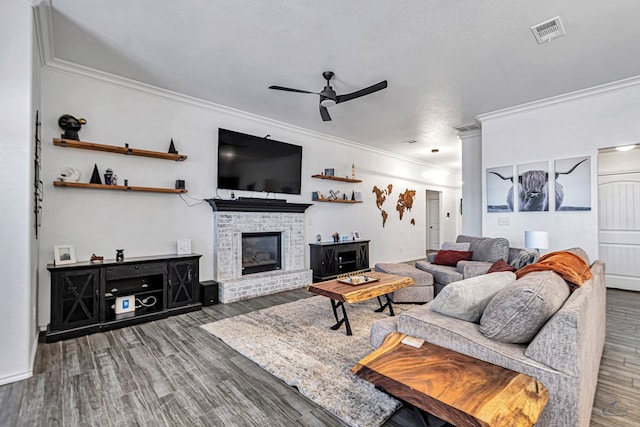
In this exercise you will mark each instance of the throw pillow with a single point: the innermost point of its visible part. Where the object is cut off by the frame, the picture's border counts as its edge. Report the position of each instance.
(524, 258)
(451, 258)
(500, 265)
(453, 246)
(467, 299)
(520, 310)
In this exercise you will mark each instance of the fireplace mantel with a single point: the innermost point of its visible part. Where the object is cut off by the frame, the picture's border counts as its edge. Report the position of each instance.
(256, 205)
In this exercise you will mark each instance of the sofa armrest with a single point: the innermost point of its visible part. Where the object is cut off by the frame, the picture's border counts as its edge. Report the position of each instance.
(470, 269)
(431, 257)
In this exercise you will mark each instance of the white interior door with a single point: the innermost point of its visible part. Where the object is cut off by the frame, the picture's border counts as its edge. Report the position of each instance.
(619, 228)
(433, 220)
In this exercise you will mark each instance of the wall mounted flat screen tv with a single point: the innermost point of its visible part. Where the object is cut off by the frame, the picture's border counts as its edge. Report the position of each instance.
(252, 163)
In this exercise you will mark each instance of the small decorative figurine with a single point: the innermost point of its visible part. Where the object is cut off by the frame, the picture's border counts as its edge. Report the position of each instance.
(114, 179)
(96, 258)
(172, 148)
(71, 126)
(108, 174)
(70, 175)
(95, 176)
(119, 255)
(318, 238)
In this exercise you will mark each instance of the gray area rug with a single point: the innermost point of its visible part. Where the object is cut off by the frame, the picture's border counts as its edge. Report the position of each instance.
(294, 342)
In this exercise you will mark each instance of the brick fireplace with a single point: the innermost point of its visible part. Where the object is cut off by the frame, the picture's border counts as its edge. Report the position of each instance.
(232, 219)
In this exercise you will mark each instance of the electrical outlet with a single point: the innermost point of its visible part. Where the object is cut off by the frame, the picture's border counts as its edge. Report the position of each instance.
(503, 221)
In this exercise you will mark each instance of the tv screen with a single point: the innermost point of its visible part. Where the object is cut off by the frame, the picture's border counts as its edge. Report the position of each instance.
(252, 163)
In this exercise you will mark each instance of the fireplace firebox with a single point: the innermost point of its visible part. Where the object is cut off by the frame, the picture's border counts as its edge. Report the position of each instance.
(261, 252)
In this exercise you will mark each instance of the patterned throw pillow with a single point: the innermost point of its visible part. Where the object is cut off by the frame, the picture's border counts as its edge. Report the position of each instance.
(524, 258)
(451, 258)
(500, 265)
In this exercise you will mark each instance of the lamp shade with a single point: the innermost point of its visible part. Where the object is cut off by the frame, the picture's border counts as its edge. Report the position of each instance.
(536, 239)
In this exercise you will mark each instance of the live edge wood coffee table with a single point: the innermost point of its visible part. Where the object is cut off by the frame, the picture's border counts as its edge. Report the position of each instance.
(341, 293)
(459, 389)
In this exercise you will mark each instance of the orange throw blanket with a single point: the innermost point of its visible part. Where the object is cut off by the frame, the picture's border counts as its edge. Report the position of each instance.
(568, 265)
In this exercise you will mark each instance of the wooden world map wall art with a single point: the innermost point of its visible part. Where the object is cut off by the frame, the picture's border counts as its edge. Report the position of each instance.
(404, 203)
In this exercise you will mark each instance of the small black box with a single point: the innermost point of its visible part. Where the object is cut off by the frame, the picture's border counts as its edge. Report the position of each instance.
(209, 292)
(179, 184)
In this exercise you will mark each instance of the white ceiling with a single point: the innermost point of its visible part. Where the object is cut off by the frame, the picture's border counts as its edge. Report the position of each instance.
(445, 61)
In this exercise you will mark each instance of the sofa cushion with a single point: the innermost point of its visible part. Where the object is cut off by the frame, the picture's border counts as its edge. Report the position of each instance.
(451, 258)
(453, 246)
(467, 299)
(486, 248)
(520, 310)
(442, 274)
(500, 265)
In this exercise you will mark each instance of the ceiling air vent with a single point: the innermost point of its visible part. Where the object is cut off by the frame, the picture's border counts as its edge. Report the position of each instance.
(548, 30)
(467, 128)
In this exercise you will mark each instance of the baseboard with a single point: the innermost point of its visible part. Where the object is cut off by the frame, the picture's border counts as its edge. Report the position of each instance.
(16, 377)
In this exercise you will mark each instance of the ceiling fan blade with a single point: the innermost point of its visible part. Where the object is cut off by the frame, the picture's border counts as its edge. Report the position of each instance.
(362, 92)
(288, 89)
(324, 113)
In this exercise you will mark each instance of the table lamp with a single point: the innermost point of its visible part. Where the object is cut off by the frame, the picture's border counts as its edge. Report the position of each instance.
(536, 240)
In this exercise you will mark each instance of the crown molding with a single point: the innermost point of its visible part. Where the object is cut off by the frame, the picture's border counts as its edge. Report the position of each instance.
(564, 98)
(469, 134)
(43, 20)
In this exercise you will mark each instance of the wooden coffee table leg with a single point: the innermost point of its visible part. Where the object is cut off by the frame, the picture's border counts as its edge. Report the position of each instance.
(334, 305)
(387, 304)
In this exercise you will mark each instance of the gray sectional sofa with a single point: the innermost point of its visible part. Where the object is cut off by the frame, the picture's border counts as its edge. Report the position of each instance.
(564, 354)
(485, 250)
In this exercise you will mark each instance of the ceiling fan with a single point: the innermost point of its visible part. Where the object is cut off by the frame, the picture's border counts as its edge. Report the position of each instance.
(328, 96)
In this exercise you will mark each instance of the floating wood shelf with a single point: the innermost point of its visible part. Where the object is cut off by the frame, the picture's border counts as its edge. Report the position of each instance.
(336, 201)
(336, 178)
(117, 187)
(120, 150)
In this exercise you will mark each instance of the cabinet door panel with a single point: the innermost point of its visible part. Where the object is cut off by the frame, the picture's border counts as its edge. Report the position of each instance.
(183, 283)
(75, 298)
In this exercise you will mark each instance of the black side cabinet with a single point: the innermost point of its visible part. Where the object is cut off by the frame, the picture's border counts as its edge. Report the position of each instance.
(83, 295)
(330, 259)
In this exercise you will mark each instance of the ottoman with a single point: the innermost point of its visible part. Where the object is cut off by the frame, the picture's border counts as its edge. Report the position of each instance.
(421, 292)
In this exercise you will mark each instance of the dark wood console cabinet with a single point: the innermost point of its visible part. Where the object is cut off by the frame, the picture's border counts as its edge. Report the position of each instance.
(83, 294)
(330, 259)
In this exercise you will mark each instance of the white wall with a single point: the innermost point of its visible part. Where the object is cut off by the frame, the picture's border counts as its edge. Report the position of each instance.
(149, 224)
(472, 182)
(17, 305)
(569, 126)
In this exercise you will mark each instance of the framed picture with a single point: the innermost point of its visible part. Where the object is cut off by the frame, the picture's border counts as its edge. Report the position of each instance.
(184, 246)
(499, 189)
(64, 254)
(573, 184)
(329, 172)
(356, 235)
(533, 188)
(357, 195)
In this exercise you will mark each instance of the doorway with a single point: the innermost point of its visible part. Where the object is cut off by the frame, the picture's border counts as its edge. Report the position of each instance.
(618, 217)
(433, 220)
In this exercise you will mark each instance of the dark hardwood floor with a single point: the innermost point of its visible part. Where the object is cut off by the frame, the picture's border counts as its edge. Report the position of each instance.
(171, 372)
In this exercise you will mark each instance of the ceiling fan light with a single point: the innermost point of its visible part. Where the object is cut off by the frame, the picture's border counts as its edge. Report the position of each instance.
(327, 102)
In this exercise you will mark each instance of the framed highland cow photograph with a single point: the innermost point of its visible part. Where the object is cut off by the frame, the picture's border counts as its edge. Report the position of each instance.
(500, 189)
(573, 184)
